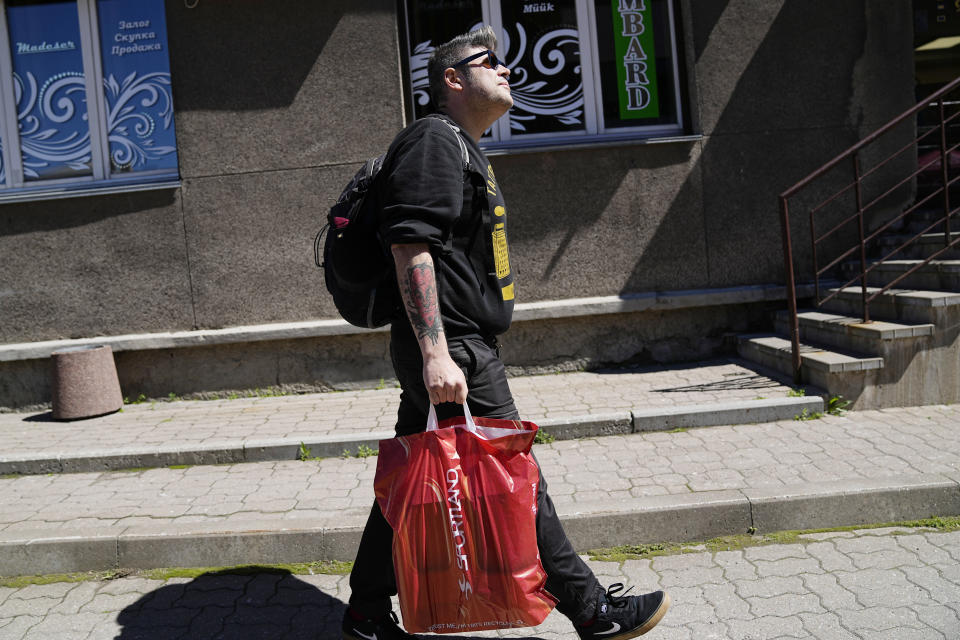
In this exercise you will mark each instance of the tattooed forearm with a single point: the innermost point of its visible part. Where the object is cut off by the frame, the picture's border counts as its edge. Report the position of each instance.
(420, 297)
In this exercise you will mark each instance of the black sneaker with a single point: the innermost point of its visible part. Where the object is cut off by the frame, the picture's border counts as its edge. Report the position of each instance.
(622, 617)
(385, 628)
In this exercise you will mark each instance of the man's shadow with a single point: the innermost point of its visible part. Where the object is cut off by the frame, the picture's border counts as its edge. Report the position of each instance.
(251, 603)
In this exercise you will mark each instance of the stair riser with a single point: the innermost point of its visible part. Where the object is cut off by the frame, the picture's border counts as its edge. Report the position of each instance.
(927, 278)
(887, 307)
(771, 360)
(837, 336)
(921, 279)
(908, 377)
(923, 247)
(849, 384)
(920, 251)
(923, 226)
(881, 309)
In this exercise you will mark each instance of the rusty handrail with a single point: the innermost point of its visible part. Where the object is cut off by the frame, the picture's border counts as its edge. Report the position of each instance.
(920, 106)
(861, 210)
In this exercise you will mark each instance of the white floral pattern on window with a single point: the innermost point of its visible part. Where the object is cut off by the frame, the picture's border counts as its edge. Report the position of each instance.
(543, 92)
(136, 106)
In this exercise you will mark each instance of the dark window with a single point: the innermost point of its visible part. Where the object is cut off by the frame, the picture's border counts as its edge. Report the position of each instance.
(581, 70)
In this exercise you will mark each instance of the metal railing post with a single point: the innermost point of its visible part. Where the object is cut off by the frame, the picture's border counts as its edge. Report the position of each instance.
(816, 263)
(945, 173)
(863, 248)
(791, 290)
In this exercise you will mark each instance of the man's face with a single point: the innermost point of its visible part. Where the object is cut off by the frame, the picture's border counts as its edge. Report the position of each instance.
(486, 86)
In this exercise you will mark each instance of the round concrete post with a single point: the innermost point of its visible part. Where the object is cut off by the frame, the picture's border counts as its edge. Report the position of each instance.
(85, 383)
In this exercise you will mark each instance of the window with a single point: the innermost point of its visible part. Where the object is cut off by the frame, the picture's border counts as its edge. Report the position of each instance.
(582, 71)
(85, 100)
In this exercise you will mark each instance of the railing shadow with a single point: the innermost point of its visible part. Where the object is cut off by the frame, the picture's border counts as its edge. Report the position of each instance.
(732, 382)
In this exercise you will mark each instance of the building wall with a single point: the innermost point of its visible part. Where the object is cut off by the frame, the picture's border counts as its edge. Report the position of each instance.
(278, 103)
(780, 88)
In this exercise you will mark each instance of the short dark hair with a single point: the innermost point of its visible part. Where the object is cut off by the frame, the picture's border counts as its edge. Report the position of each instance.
(449, 53)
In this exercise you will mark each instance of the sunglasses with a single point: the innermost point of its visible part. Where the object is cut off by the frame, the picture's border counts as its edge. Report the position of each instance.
(492, 60)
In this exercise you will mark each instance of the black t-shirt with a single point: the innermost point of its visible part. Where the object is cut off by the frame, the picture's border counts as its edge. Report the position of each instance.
(428, 198)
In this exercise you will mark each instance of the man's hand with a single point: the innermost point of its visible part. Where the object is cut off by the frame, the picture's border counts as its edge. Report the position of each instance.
(443, 379)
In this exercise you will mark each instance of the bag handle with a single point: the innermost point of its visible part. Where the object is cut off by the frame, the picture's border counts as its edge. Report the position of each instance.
(432, 424)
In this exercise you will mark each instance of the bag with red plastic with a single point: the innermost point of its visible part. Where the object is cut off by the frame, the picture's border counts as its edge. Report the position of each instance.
(462, 500)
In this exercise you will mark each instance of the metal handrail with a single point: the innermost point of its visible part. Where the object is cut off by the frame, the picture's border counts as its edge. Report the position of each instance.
(861, 211)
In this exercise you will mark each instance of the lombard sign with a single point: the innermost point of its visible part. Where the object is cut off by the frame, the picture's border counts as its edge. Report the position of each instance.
(636, 68)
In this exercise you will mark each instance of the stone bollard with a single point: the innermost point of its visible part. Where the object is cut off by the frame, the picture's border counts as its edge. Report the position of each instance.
(84, 383)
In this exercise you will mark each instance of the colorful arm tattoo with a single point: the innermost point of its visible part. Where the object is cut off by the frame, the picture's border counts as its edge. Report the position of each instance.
(420, 296)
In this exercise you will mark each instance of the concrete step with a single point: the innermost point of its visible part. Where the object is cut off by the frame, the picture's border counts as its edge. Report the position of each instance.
(775, 351)
(923, 247)
(681, 485)
(851, 376)
(566, 406)
(851, 334)
(937, 275)
(899, 372)
(899, 305)
(928, 215)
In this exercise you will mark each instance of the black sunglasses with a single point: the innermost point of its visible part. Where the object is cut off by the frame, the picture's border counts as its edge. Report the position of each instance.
(492, 59)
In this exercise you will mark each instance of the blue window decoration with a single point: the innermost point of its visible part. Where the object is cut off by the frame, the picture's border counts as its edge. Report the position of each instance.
(49, 90)
(136, 82)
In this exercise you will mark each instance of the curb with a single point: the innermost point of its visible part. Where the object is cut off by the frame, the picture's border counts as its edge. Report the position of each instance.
(562, 428)
(676, 518)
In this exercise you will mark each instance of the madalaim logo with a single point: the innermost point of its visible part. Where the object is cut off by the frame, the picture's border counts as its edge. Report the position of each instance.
(45, 47)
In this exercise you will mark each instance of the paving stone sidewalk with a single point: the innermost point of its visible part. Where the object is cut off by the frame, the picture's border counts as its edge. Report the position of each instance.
(612, 470)
(881, 584)
(680, 485)
(224, 423)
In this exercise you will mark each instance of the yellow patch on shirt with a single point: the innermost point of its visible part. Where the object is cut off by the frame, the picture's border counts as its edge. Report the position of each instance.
(507, 292)
(491, 181)
(500, 253)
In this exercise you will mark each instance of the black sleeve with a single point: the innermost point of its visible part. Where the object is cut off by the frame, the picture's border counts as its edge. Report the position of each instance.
(423, 189)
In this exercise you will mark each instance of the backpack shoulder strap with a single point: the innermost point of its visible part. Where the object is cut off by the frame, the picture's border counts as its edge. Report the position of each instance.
(464, 154)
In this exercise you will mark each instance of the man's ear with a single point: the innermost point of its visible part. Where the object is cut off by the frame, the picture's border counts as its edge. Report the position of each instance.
(452, 80)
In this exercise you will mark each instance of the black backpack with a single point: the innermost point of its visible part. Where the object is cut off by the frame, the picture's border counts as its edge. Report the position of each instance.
(357, 268)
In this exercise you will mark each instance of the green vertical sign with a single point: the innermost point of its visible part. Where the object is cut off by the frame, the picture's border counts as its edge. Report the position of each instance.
(635, 59)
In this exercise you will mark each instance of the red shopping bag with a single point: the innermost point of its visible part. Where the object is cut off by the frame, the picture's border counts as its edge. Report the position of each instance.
(462, 500)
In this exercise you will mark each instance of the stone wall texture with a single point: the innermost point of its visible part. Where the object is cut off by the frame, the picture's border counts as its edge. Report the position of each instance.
(277, 104)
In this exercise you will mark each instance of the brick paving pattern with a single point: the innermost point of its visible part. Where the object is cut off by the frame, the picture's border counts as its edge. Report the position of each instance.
(868, 444)
(883, 584)
(226, 422)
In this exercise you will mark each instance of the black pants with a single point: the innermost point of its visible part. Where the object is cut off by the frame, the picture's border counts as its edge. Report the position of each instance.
(372, 582)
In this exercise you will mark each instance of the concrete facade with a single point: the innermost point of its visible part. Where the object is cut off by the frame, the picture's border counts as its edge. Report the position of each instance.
(276, 108)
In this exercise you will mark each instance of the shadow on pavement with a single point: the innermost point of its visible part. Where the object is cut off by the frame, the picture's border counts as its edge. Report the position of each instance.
(46, 416)
(255, 603)
(252, 603)
(729, 383)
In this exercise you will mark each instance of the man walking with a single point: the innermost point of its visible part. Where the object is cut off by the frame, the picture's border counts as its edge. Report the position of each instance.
(446, 227)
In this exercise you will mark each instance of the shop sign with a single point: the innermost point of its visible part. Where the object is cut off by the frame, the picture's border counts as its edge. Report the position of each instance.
(636, 62)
